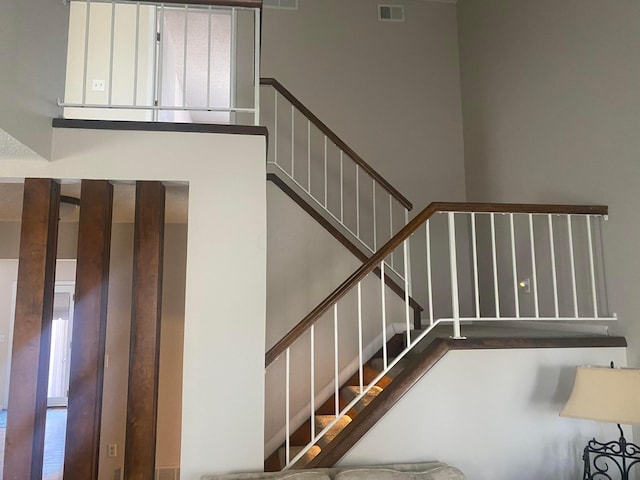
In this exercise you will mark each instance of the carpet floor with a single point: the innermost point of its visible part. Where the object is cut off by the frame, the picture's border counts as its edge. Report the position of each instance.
(54, 436)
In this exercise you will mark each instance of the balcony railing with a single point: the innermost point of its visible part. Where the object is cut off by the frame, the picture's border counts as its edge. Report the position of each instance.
(190, 61)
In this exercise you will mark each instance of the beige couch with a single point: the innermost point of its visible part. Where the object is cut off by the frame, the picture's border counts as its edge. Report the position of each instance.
(404, 471)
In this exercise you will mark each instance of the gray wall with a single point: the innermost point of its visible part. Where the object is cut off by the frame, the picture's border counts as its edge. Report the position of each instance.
(551, 115)
(33, 41)
(390, 89)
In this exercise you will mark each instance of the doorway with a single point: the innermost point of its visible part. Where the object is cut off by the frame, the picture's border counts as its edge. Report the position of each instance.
(60, 356)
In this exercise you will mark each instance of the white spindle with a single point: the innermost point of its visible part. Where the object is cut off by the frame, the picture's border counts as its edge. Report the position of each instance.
(309, 156)
(275, 126)
(383, 299)
(534, 268)
(184, 53)
(429, 283)
(592, 271)
(336, 373)
(111, 50)
(341, 186)
(453, 263)
(287, 408)
(136, 56)
(357, 201)
(313, 381)
(87, 23)
(256, 64)
(552, 248)
(496, 289)
(209, 48)
(407, 315)
(293, 140)
(326, 179)
(514, 264)
(474, 243)
(234, 57)
(572, 262)
(360, 359)
(158, 97)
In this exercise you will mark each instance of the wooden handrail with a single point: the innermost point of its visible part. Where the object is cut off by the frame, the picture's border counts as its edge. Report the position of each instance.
(337, 141)
(297, 331)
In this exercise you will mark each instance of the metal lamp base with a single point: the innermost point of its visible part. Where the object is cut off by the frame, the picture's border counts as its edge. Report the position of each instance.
(611, 461)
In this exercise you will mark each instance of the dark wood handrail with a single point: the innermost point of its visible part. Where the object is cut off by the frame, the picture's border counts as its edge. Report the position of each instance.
(337, 141)
(297, 331)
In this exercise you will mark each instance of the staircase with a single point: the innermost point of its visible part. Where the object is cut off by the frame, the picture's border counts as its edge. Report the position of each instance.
(455, 264)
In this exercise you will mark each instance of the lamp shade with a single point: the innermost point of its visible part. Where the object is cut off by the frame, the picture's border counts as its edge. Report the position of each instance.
(605, 394)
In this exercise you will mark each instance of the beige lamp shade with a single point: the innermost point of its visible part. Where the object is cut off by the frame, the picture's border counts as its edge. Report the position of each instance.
(605, 394)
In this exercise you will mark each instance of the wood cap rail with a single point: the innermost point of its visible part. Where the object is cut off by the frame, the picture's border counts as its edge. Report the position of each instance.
(338, 141)
(436, 207)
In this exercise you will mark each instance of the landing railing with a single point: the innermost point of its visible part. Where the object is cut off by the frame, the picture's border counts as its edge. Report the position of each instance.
(177, 61)
(337, 180)
(489, 262)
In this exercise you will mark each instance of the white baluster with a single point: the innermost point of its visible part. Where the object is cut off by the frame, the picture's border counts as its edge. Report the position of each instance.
(572, 262)
(474, 243)
(383, 297)
(453, 263)
(553, 266)
(534, 269)
(514, 265)
(592, 271)
(430, 284)
(496, 289)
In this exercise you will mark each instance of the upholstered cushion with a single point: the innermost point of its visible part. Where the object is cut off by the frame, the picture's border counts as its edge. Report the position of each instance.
(436, 473)
(291, 475)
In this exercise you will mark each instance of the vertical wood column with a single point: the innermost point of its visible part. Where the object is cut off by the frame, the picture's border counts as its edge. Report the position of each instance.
(144, 361)
(27, 407)
(89, 331)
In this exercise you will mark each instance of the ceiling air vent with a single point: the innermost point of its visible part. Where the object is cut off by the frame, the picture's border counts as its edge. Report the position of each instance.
(391, 13)
(283, 4)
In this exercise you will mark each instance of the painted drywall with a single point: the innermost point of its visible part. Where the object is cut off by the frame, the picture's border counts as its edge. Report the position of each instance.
(493, 414)
(550, 106)
(226, 249)
(389, 89)
(33, 41)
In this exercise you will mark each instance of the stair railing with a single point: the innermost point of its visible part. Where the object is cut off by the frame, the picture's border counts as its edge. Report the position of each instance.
(164, 61)
(336, 179)
(469, 262)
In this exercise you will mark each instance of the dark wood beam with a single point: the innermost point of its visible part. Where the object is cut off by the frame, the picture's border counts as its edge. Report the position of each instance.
(144, 361)
(27, 409)
(84, 415)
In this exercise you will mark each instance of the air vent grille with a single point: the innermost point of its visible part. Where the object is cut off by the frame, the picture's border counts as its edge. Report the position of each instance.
(282, 4)
(391, 13)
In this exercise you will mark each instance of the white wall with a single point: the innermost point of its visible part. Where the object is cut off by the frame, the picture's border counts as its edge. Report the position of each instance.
(390, 89)
(550, 112)
(224, 253)
(493, 414)
(33, 40)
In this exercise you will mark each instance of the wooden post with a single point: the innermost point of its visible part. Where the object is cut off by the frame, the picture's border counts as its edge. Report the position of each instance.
(27, 409)
(144, 361)
(84, 414)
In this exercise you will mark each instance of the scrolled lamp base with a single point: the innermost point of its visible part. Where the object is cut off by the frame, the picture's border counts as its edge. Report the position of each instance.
(610, 461)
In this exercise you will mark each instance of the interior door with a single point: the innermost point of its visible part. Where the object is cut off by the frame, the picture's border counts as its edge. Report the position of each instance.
(59, 359)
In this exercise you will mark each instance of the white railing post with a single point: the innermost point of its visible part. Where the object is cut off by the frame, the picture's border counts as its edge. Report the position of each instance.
(514, 264)
(534, 268)
(496, 288)
(592, 273)
(429, 283)
(453, 263)
(256, 66)
(554, 274)
(572, 262)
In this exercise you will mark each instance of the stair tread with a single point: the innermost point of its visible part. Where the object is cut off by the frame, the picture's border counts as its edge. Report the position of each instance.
(322, 421)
